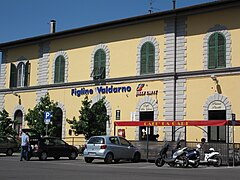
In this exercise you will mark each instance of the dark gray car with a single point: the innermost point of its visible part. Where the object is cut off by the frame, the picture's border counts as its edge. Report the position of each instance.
(8, 145)
(110, 148)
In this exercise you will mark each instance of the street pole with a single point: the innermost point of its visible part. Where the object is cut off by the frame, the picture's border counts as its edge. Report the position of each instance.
(46, 129)
(233, 147)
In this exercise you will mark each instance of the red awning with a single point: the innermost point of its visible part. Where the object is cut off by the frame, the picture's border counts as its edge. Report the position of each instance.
(173, 123)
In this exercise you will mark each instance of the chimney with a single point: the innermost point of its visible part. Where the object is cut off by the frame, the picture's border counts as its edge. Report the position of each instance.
(52, 26)
(174, 4)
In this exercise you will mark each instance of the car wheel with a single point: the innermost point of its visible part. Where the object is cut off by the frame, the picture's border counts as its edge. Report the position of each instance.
(88, 160)
(43, 156)
(9, 152)
(109, 158)
(136, 157)
(56, 157)
(116, 160)
(73, 155)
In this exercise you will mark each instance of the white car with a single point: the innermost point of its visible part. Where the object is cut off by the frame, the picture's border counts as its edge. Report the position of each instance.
(110, 148)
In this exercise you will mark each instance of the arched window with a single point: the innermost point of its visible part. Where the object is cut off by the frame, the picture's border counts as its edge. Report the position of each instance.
(99, 71)
(147, 58)
(59, 74)
(18, 117)
(216, 51)
(20, 74)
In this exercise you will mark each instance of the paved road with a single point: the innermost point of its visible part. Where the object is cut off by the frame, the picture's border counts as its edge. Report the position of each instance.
(64, 169)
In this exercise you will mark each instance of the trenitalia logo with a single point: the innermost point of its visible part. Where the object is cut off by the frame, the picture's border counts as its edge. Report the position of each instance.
(140, 87)
(140, 91)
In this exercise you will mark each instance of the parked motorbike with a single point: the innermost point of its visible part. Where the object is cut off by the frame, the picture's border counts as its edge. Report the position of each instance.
(193, 156)
(211, 157)
(178, 157)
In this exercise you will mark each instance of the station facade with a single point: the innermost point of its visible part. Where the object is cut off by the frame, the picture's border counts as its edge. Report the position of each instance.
(182, 64)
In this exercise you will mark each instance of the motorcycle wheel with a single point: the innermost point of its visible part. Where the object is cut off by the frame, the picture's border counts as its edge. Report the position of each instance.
(172, 164)
(196, 164)
(159, 162)
(185, 162)
(218, 161)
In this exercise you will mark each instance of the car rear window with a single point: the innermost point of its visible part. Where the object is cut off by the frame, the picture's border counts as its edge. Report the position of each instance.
(96, 140)
(10, 139)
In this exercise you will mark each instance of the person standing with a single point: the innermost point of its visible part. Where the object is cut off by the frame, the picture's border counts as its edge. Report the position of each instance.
(24, 146)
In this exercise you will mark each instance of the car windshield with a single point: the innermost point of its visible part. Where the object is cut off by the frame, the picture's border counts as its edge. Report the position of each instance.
(96, 140)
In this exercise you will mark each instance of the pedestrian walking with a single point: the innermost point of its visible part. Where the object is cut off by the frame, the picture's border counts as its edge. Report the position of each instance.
(24, 146)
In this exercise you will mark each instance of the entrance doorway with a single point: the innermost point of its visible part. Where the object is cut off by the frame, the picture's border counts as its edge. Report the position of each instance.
(58, 123)
(143, 130)
(217, 133)
(18, 117)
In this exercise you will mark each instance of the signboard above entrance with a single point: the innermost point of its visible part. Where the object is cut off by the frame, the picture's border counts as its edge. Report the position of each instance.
(173, 123)
(216, 105)
(146, 107)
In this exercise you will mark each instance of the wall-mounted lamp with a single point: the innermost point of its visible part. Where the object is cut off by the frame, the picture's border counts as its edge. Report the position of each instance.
(19, 97)
(218, 87)
(214, 78)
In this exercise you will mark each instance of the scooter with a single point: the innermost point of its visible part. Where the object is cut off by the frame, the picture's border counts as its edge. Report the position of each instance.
(211, 157)
(178, 157)
(193, 156)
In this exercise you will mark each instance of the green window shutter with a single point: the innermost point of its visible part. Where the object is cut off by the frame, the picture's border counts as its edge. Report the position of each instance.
(59, 75)
(27, 74)
(13, 76)
(147, 58)
(221, 51)
(62, 69)
(216, 51)
(99, 64)
(211, 52)
(143, 64)
(56, 73)
(151, 58)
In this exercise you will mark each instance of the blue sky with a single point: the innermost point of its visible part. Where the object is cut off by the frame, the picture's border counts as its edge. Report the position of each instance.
(28, 18)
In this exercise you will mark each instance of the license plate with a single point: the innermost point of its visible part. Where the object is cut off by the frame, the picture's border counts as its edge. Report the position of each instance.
(91, 154)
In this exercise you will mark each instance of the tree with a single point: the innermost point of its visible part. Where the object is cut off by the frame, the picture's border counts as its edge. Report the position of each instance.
(35, 117)
(6, 124)
(92, 120)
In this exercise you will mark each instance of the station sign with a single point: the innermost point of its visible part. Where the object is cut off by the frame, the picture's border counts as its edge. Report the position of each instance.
(100, 90)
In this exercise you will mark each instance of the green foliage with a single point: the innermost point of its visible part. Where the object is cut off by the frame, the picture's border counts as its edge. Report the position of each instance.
(92, 120)
(35, 117)
(6, 124)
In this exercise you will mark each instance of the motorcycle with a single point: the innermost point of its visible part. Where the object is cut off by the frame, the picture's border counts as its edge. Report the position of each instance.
(193, 156)
(211, 157)
(178, 157)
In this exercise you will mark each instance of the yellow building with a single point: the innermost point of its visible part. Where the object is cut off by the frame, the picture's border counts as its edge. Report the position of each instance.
(182, 64)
